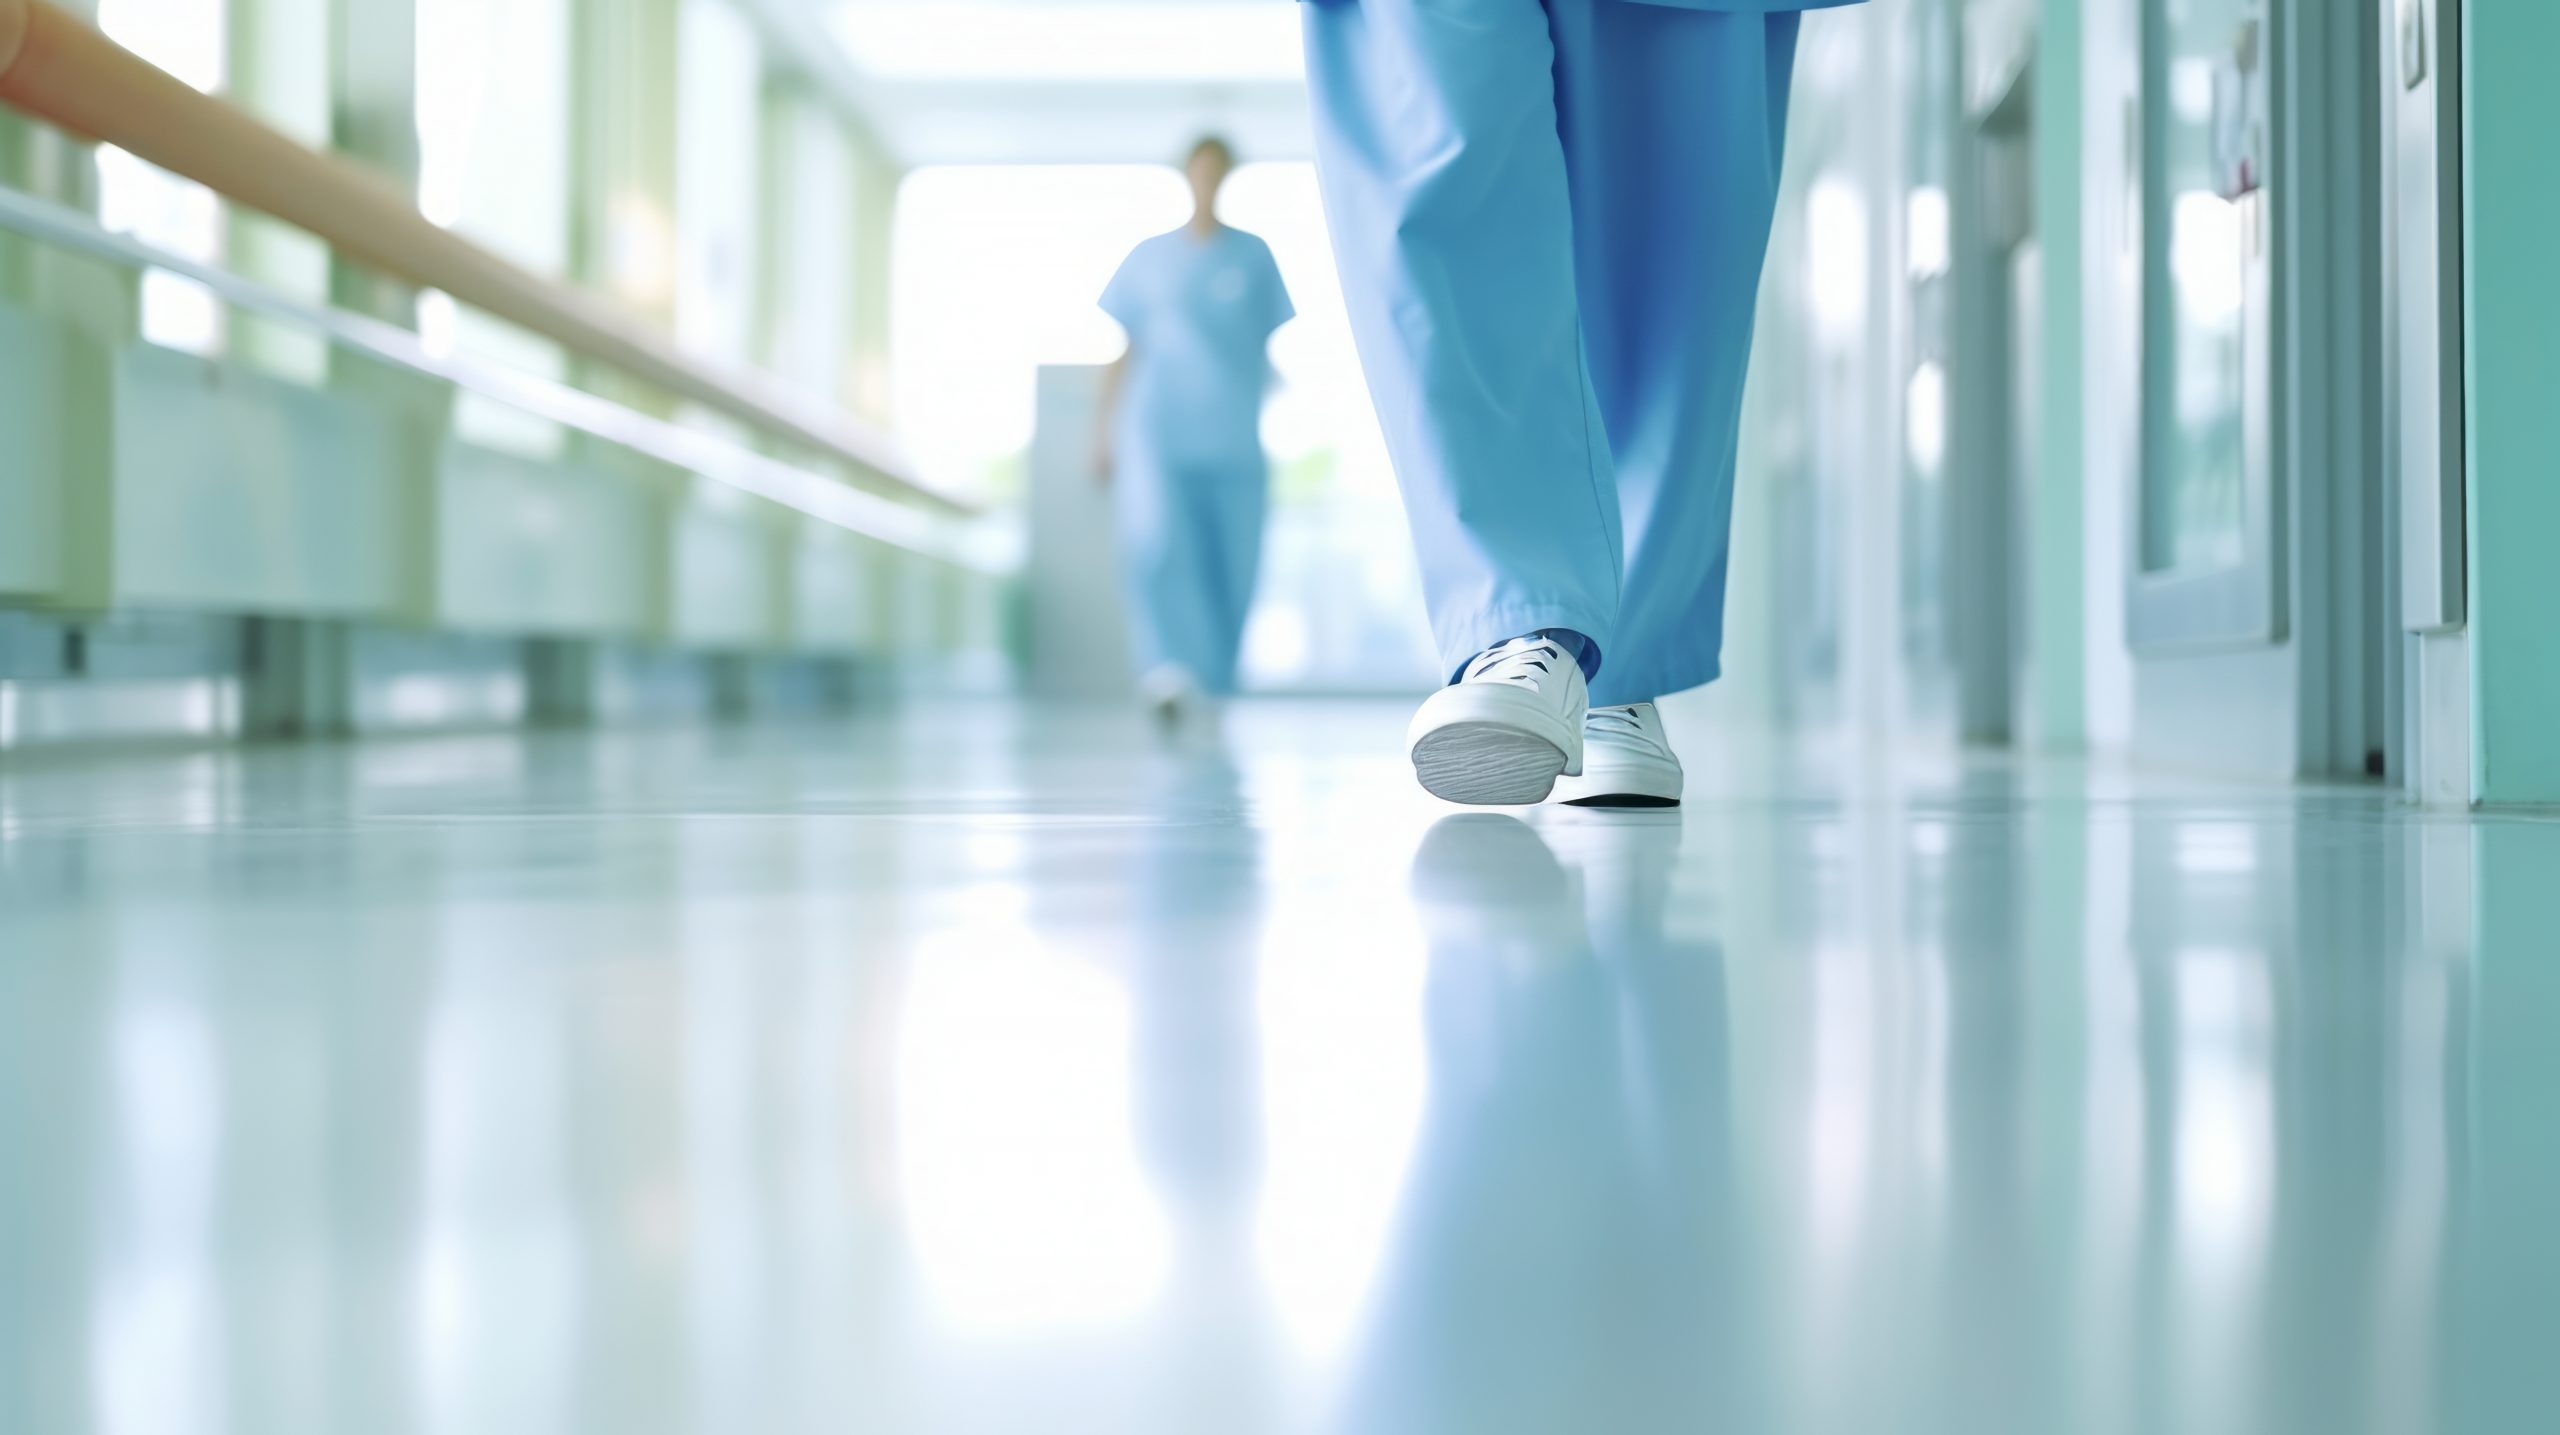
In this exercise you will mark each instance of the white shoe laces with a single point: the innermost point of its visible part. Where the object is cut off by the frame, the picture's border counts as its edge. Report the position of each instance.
(1622, 717)
(1526, 661)
(1623, 723)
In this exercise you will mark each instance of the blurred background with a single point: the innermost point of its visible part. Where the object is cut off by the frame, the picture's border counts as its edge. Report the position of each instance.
(2069, 429)
(576, 850)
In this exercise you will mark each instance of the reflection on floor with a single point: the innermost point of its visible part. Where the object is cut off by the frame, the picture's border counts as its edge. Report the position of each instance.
(993, 1070)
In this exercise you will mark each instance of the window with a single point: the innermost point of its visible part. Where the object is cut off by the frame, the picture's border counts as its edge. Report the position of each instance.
(185, 38)
(493, 164)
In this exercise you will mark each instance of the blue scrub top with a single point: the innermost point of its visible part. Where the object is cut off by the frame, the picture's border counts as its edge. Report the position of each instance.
(1199, 311)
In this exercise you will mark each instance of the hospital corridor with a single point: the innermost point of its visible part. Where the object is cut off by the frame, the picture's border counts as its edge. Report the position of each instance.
(1279, 717)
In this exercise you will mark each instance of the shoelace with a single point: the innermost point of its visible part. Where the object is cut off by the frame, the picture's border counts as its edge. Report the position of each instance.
(1619, 717)
(1622, 720)
(1520, 654)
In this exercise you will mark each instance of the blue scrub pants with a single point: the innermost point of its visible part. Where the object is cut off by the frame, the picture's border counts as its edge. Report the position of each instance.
(1190, 549)
(1550, 217)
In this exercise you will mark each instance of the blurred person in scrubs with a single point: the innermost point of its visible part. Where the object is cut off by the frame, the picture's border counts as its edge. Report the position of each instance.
(1550, 218)
(1181, 429)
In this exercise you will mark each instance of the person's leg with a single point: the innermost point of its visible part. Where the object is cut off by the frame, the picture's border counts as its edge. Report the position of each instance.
(1673, 124)
(1444, 182)
(1234, 501)
(1142, 530)
(1168, 562)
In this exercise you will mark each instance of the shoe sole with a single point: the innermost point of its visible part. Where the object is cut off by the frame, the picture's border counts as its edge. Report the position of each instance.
(1636, 786)
(1484, 764)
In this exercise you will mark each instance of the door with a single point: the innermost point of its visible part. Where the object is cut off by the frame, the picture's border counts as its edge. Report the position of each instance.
(2206, 547)
(2420, 86)
(1991, 486)
(2241, 307)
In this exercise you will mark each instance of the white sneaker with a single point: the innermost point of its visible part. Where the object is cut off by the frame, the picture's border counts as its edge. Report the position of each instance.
(1628, 761)
(1168, 692)
(1500, 735)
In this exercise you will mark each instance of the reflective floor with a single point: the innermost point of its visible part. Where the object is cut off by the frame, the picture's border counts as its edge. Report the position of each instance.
(982, 1070)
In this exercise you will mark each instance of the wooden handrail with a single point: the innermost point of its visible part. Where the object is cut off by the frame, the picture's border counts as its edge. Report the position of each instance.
(952, 538)
(60, 69)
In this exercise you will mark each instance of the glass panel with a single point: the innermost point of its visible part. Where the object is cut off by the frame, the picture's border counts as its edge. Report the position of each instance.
(2194, 511)
(719, 96)
(187, 39)
(1930, 105)
(493, 165)
(807, 298)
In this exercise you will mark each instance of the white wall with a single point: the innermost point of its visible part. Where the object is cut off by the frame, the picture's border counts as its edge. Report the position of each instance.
(1079, 628)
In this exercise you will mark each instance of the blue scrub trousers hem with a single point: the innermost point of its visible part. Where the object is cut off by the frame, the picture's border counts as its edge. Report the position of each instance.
(1612, 690)
(1460, 642)
(1586, 653)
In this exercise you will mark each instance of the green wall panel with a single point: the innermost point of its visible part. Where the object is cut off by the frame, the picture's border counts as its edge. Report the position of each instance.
(728, 587)
(31, 409)
(835, 607)
(237, 491)
(2511, 340)
(526, 545)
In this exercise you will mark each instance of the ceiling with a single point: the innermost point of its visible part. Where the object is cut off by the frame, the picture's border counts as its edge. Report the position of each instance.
(1071, 81)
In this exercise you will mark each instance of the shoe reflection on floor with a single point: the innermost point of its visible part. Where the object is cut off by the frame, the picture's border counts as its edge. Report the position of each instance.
(1565, 1257)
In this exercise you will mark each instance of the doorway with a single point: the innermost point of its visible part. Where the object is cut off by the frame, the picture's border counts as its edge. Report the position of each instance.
(1998, 334)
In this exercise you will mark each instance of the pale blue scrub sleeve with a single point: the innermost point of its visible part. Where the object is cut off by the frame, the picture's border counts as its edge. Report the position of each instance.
(1120, 296)
(1276, 308)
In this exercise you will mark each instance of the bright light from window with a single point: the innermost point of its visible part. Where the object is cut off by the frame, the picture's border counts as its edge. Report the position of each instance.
(185, 38)
(2217, 849)
(1026, 1204)
(156, 1329)
(2225, 1112)
(997, 272)
(2191, 89)
(998, 269)
(1927, 225)
(493, 164)
(1836, 245)
(1344, 1077)
(2207, 259)
(1102, 40)
(1925, 417)
(492, 114)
